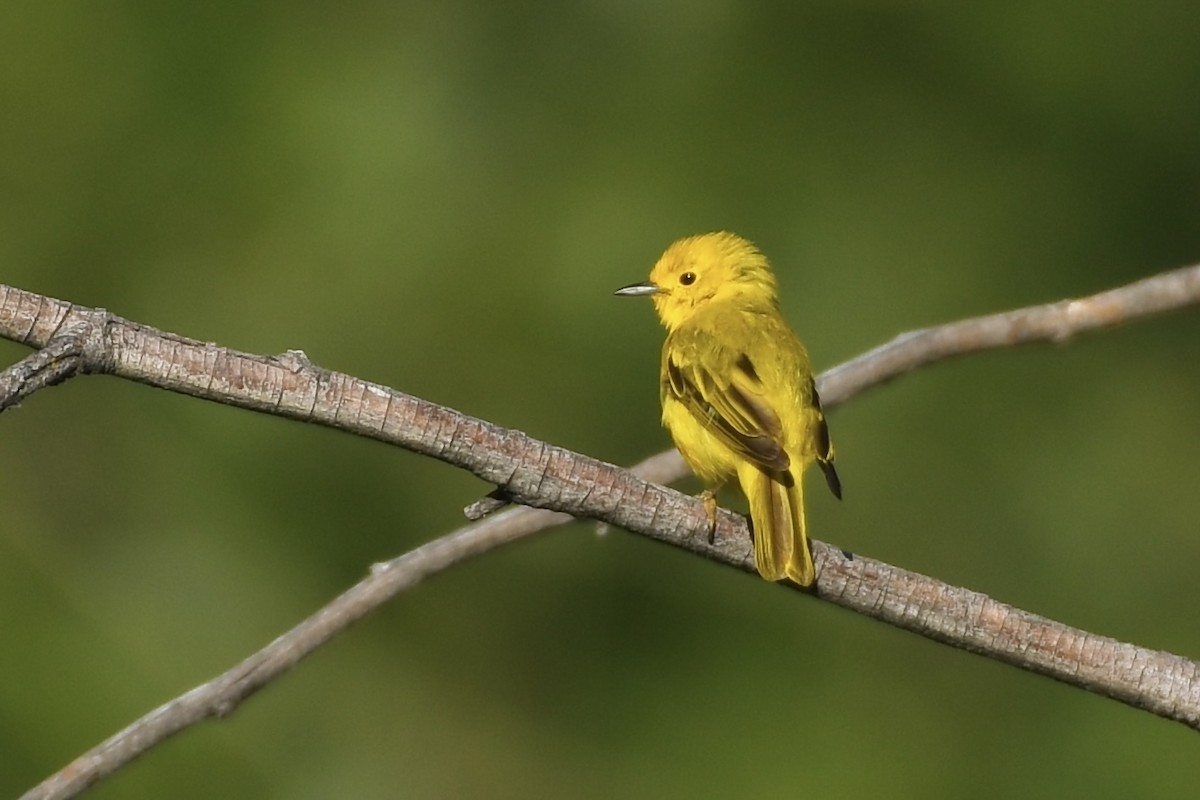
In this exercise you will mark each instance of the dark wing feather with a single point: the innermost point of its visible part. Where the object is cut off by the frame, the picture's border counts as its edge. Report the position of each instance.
(825, 448)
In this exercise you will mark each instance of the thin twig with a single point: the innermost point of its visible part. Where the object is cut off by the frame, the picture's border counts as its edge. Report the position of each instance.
(220, 696)
(1053, 322)
(59, 360)
(538, 474)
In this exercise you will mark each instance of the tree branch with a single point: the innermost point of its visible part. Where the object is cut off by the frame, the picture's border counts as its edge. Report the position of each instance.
(74, 340)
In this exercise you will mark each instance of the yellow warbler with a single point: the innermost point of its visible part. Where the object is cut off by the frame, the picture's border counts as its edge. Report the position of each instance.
(737, 391)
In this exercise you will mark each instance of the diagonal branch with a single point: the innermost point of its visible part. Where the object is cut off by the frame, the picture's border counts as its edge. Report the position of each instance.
(541, 475)
(1053, 322)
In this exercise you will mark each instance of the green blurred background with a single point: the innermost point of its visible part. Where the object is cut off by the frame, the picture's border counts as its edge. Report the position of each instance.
(441, 197)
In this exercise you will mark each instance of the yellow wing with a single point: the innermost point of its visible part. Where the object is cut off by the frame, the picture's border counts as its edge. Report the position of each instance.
(723, 390)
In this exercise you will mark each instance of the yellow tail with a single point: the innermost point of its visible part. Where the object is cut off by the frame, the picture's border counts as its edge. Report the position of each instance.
(777, 511)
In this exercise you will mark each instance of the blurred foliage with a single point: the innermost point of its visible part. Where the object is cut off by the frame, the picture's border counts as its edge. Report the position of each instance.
(441, 197)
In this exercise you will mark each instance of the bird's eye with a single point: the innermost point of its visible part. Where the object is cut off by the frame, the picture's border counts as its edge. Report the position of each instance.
(687, 278)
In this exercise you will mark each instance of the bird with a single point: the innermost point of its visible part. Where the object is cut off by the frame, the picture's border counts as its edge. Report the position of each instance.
(738, 393)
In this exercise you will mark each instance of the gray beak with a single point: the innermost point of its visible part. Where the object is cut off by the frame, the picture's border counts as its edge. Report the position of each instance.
(638, 289)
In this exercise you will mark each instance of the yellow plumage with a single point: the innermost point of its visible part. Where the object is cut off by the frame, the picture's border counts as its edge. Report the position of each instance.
(737, 390)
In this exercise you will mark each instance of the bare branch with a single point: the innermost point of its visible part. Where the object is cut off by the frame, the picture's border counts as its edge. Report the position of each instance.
(540, 475)
(53, 364)
(220, 696)
(1053, 322)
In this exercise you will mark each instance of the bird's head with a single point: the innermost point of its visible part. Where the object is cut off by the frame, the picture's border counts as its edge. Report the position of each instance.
(704, 269)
